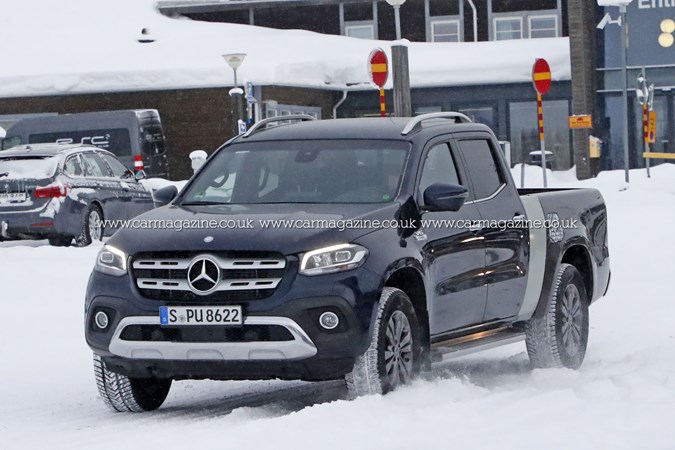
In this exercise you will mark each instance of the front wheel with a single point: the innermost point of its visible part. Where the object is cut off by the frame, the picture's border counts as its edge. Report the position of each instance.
(92, 227)
(394, 355)
(123, 394)
(559, 337)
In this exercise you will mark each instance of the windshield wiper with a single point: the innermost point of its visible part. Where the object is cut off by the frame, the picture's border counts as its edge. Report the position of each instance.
(4, 174)
(203, 203)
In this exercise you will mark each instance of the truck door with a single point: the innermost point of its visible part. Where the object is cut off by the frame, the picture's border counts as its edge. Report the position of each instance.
(506, 245)
(454, 257)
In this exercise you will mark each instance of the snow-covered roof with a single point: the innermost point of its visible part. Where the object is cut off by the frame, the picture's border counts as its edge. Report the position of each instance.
(83, 46)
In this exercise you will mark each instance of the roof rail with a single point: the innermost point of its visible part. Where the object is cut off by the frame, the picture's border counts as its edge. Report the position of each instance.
(416, 122)
(262, 124)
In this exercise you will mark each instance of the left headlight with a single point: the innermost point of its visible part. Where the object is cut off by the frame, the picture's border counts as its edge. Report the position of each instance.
(336, 258)
(111, 261)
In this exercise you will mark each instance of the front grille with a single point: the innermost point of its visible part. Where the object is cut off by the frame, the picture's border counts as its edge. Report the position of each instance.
(242, 275)
(246, 333)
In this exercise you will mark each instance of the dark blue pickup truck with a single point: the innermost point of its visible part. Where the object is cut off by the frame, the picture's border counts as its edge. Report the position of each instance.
(363, 249)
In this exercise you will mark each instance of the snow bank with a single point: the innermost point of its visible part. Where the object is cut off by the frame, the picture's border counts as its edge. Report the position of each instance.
(621, 399)
(82, 46)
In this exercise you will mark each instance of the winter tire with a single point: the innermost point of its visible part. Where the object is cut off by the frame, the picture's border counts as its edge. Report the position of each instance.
(393, 357)
(559, 337)
(124, 394)
(92, 227)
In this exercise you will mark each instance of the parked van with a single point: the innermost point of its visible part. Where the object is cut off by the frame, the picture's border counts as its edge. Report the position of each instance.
(136, 137)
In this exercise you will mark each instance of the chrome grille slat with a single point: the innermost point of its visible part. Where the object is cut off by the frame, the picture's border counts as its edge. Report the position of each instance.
(224, 285)
(257, 276)
(224, 263)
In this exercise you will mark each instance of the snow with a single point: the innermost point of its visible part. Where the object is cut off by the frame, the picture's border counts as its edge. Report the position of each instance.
(47, 55)
(20, 168)
(623, 397)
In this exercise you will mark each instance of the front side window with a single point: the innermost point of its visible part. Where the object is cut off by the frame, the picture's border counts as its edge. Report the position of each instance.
(95, 167)
(439, 167)
(508, 28)
(543, 26)
(301, 172)
(118, 169)
(445, 31)
(482, 167)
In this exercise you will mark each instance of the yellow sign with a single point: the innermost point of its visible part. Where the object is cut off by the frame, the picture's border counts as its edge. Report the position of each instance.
(651, 132)
(579, 122)
(655, 155)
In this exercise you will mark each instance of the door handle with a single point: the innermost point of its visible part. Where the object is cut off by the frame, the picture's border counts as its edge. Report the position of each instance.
(519, 218)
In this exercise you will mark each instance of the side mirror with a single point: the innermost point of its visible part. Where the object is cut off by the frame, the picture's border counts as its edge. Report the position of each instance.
(445, 197)
(140, 175)
(164, 195)
(3, 133)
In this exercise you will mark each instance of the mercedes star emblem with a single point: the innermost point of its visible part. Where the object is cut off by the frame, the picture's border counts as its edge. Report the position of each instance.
(203, 275)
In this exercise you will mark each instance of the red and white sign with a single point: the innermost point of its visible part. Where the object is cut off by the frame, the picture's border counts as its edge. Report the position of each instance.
(378, 67)
(541, 76)
(138, 163)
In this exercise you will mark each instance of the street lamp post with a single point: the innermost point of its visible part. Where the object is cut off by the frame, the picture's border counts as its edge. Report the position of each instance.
(622, 4)
(234, 60)
(400, 67)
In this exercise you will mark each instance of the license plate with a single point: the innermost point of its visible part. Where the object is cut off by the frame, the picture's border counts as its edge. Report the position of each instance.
(12, 197)
(200, 315)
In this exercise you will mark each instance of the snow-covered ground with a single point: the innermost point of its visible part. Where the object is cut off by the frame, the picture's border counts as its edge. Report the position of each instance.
(622, 398)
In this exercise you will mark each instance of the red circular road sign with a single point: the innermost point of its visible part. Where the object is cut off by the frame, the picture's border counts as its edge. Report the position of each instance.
(541, 76)
(378, 67)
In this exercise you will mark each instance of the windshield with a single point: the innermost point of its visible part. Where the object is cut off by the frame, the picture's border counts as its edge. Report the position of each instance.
(301, 172)
(37, 167)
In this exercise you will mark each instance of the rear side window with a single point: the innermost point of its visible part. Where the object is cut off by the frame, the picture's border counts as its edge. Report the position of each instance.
(73, 167)
(94, 166)
(482, 167)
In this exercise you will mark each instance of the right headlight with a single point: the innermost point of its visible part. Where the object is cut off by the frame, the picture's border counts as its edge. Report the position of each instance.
(336, 258)
(111, 261)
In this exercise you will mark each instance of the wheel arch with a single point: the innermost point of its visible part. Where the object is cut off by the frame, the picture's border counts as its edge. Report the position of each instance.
(410, 280)
(578, 256)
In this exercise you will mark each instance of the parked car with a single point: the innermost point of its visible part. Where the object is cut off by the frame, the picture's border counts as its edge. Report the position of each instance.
(285, 294)
(64, 192)
(136, 137)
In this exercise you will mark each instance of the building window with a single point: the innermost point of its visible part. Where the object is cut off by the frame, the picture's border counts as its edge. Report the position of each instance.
(445, 30)
(360, 30)
(543, 26)
(508, 28)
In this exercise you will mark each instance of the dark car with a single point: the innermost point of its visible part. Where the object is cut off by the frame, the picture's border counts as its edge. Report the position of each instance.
(65, 192)
(362, 249)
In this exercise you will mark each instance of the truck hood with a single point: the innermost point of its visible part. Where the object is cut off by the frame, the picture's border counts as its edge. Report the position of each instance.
(246, 227)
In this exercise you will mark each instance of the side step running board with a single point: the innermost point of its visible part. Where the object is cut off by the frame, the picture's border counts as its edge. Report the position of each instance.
(476, 342)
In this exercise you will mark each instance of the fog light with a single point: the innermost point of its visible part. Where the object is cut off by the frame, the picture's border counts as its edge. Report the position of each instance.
(101, 320)
(329, 320)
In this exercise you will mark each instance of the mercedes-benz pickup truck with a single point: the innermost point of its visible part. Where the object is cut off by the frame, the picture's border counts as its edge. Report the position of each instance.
(356, 249)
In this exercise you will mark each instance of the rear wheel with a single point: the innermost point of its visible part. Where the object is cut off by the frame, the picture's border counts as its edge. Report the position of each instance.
(394, 355)
(92, 227)
(124, 394)
(559, 337)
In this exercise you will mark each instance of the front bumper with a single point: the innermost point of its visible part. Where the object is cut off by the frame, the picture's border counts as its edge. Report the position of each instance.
(305, 351)
(301, 346)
